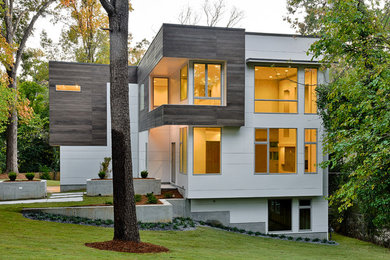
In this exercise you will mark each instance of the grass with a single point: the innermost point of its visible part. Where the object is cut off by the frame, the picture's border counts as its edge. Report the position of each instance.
(52, 183)
(21, 237)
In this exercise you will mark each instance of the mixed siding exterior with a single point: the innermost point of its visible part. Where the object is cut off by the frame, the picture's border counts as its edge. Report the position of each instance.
(226, 116)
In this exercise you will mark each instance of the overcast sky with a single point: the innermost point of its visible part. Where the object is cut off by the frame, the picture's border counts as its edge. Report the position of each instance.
(149, 15)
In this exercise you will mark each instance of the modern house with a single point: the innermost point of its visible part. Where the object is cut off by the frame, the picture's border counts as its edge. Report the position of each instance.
(227, 116)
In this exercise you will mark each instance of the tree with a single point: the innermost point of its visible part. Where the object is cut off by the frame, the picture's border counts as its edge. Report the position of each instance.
(125, 219)
(18, 18)
(355, 105)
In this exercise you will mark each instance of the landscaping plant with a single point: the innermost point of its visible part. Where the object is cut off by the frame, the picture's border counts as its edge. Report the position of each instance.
(144, 174)
(151, 198)
(12, 176)
(102, 175)
(138, 197)
(30, 176)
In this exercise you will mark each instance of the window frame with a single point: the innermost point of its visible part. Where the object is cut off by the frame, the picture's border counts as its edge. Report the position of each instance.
(268, 151)
(193, 153)
(276, 100)
(299, 214)
(183, 130)
(152, 96)
(291, 215)
(186, 65)
(304, 92)
(304, 150)
(206, 63)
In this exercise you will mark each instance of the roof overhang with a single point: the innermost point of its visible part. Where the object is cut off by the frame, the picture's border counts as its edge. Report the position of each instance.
(283, 62)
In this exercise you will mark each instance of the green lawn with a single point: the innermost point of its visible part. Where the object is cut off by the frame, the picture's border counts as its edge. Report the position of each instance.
(24, 238)
(52, 183)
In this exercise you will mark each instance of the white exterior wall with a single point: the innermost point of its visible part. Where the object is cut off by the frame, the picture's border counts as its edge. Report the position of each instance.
(79, 163)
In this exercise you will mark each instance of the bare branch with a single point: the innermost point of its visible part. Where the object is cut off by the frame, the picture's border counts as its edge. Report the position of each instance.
(109, 7)
(236, 16)
(188, 16)
(214, 11)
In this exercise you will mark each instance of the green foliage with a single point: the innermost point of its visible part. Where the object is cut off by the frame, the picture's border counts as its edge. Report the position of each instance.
(103, 172)
(355, 105)
(44, 175)
(30, 176)
(138, 197)
(168, 195)
(12, 176)
(144, 174)
(102, 175)
(151, 198)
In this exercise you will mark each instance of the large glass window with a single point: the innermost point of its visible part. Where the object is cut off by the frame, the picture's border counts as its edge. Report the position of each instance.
(310, 91)
(207, 84)
(160, 92)
(275, 150)
(304, 214)
(310, 150)
(279, 215)
(207, 150)
(183, 82)
(183, 150)
(275, 90)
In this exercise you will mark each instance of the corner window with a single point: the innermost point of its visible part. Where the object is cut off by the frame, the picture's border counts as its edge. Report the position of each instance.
(279, 215)
(68, 88)
(275, 150)
(207, 84)
(183, 82)
(310, 150)
(276, 90)
(207, 150)
(304, 214)
(183, 150)
(142, 97)
(310, 91)
(160, 92)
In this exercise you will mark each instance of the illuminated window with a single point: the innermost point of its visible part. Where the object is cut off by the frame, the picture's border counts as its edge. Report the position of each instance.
(70, 88)
(310, 91)
(183, 150)
(207, 150)
(279, 215)
(304, 214)
(183, 82)
(207, 84)
(275, 150)
(275, 90)
(310, 150)
(160, 92)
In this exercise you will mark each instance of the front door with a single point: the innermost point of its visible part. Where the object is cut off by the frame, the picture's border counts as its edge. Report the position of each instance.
(173, 162)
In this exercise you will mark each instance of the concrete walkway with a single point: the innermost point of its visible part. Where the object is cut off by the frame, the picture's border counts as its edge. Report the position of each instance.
(54, 197)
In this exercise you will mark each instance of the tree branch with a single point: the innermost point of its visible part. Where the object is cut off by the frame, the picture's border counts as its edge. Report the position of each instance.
(108, 7)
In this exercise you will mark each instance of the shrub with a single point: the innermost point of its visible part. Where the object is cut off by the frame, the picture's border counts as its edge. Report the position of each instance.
(44, 173)
(290, 238)
(12, 176)
(151, 198)
(102, 175)
(299, 239)
(144, 174)
(316, 240)
(168, 195)
(307, 239)
(30, 176)
(108, 202)
(138, 197)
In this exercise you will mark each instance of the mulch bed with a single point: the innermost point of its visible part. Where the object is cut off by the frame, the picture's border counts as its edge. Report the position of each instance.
(127, 246)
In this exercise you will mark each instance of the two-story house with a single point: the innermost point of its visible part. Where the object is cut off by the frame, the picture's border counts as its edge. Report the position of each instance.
(227, 116)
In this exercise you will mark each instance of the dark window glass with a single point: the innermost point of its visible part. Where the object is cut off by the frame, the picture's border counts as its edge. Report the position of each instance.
(304, 218)
(304, 203)
(279, 215)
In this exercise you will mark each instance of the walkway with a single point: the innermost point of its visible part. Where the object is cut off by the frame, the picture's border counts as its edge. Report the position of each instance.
(54, 197)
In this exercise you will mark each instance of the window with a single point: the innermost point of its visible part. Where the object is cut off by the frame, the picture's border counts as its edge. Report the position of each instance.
(310, 91)
(279, 215)
(207, 84)
(275, 150)
(304, 214)
(310, 150)
(183, 82)
(142, 97)
(70, 88)
(160, 92)
(207, 150)
(275, 90)
(183, 150)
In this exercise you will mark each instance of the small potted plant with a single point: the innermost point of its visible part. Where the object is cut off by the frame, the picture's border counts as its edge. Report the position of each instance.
(12, 176)
(103, 172)
(144, 174)
(102, 175)
(30, 176)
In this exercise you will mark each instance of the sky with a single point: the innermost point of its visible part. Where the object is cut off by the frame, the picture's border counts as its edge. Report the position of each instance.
(149, 15)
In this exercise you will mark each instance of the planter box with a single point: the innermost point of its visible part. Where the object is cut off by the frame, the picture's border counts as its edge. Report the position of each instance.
(15, 190)
(141, 186)
(145, 213)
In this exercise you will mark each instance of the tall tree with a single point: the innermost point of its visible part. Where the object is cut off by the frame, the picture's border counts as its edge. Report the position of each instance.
(125, 219)
(18, 21)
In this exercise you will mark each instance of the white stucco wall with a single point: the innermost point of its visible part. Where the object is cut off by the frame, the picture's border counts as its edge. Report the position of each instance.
(79, 163)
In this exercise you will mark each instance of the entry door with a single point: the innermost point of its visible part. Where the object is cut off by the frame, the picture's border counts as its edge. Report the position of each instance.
(173, 162)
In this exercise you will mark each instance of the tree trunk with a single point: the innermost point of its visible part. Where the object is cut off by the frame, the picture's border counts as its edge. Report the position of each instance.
(12, 130)
(125, 219)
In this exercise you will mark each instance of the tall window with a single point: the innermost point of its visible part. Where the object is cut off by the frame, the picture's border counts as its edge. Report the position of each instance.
(310, 150)
(183, 150)
(142, 97)
(310, 91)
(207, 84)
(279, 215)
(275, 150)
(207, 150)
(160, 92)
(304, 214)
(276, 90)
(183, 82)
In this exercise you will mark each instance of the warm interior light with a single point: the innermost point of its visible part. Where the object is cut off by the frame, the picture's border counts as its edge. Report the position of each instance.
(72, 88)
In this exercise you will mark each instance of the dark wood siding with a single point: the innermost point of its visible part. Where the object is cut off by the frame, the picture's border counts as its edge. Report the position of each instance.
(199, 43)
(80, 118)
